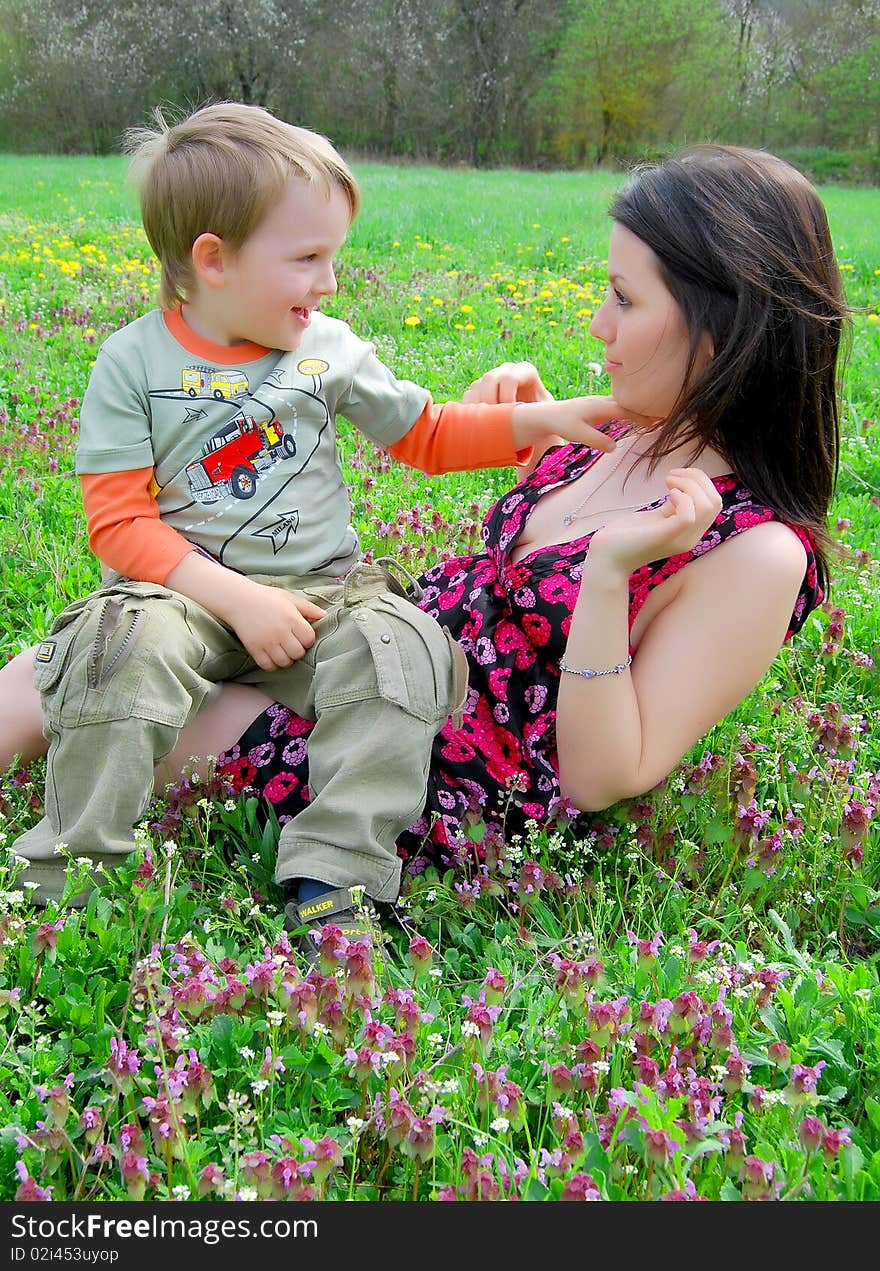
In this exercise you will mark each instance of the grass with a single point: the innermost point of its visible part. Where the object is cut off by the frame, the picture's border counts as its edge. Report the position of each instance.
(684, 1003)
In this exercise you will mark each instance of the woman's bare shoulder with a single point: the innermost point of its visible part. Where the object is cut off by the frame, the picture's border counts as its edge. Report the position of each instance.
(769, 556)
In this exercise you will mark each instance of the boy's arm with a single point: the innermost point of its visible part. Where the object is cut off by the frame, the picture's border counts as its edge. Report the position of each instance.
(458, 437)
(126, 533)
(452, 437)
(478, 432)
(124, 528)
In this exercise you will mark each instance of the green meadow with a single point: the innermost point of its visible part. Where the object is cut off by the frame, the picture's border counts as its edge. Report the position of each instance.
(677, 1005)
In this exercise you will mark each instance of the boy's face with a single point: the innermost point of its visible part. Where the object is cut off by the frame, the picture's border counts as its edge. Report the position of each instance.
(281, 273)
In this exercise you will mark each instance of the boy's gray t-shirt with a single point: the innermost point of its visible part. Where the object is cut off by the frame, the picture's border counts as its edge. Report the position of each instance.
(243, 442)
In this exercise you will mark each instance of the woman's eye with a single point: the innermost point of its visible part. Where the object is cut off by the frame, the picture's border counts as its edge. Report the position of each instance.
(620, 297)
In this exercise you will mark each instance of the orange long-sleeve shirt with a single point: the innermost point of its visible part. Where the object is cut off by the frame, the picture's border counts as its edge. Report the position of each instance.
(127, 534)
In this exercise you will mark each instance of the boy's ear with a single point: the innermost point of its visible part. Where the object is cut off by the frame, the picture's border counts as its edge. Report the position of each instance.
(209, 257)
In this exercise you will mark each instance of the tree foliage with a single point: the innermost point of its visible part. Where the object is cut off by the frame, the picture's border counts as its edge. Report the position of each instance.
(481, 81)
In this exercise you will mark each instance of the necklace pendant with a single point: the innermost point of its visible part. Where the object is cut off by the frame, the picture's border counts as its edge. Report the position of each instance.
(567, 519)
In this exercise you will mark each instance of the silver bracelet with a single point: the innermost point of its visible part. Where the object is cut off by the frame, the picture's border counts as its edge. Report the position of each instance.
(589, 674)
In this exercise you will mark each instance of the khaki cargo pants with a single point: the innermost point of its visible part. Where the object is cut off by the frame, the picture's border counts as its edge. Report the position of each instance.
(124, 669)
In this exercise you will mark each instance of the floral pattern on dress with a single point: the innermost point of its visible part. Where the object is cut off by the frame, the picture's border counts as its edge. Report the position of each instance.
(512, 620)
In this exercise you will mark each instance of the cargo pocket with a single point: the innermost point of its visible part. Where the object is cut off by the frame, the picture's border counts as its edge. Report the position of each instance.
(178, 654)
(95, 678)
(98, 681)
(53, 654)
(414, 658)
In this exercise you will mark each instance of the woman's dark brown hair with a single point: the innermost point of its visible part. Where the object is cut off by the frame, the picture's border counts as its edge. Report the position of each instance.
(744, 247)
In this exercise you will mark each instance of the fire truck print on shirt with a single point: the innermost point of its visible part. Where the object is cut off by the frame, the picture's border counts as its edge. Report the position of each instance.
(235, 459)
(242, 442)
(232, 460)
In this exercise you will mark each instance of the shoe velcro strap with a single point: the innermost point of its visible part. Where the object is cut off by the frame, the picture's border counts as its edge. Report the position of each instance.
(323, 907)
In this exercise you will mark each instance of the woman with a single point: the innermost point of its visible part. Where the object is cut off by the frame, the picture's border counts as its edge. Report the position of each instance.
(626, 602)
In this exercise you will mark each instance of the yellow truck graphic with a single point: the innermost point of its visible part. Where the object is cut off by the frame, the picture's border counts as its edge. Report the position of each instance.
(209, 381)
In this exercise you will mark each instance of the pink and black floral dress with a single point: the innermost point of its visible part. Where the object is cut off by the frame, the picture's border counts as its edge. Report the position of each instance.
(512, 620)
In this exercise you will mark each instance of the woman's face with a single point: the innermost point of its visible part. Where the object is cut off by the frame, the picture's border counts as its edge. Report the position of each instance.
(646, 340)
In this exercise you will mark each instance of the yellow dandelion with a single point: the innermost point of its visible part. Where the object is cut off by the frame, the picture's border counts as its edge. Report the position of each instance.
(412, 321)
(467, 308)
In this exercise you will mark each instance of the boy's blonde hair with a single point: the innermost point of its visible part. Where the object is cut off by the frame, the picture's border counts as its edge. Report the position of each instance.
(219, 171)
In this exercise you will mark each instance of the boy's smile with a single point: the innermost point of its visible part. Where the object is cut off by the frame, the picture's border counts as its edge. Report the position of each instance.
(265, 292)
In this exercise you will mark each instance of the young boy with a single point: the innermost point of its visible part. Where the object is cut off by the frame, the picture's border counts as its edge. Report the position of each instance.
(215, 502)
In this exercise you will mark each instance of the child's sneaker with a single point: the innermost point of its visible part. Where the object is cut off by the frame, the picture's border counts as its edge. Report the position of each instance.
(347, 909)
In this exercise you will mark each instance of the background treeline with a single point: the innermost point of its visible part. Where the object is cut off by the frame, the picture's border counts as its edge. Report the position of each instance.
(558, 83)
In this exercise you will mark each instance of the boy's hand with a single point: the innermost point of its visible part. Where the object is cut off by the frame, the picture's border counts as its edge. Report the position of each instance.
(275, 626)
(574, 419)
(509, 382)
(538, 419)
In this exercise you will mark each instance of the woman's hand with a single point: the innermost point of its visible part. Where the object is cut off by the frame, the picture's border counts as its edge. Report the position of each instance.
(676, 526)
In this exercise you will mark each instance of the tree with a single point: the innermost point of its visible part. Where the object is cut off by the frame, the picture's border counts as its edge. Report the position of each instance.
(498, 54)
(87, 68)
(629, 74)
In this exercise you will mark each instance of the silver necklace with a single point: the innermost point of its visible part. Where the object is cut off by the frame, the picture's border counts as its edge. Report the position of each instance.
(575, 513)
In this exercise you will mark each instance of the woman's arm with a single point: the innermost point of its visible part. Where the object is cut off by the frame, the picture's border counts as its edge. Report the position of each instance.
(619, 735)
